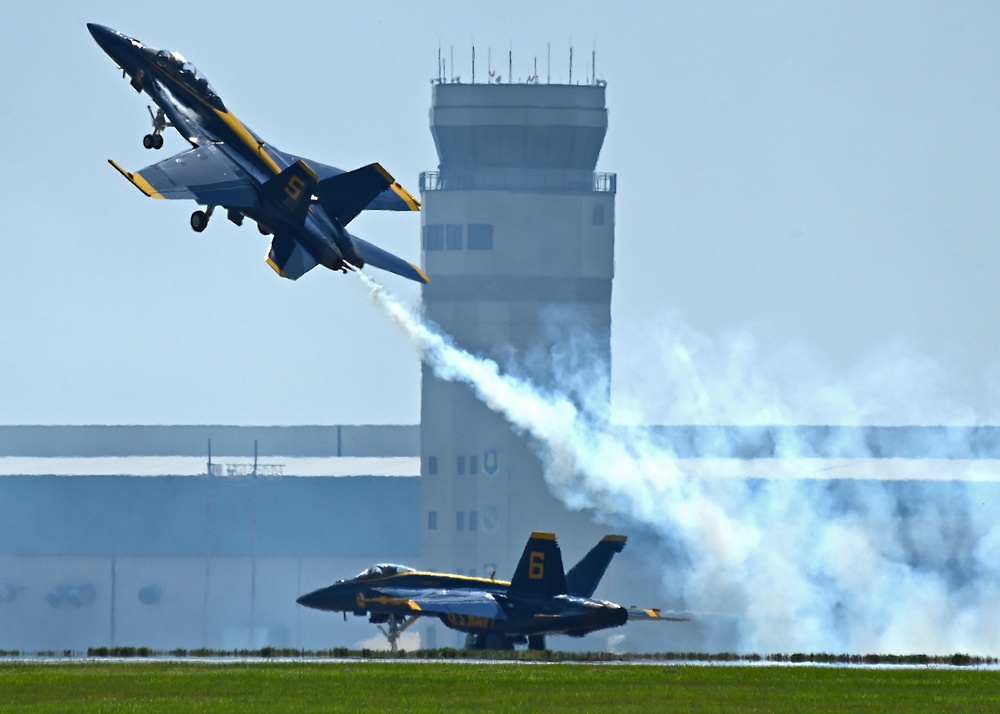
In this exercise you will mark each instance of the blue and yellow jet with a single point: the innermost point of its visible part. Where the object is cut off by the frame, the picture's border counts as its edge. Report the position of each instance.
(542, 599)
(304, 204)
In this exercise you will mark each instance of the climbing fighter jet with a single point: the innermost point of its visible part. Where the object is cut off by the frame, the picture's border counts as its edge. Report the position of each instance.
(306, 205)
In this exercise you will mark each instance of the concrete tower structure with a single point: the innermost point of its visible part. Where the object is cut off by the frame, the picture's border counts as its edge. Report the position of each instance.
(518, 239)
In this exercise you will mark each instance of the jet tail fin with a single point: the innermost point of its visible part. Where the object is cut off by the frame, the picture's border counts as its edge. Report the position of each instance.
(540, 571)
(582, 579)
(292, 189)
(345, 195)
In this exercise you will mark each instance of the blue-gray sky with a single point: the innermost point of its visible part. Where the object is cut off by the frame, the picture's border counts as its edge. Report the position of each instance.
(821, 175)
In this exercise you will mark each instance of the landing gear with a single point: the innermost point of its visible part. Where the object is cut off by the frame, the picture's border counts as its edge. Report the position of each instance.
(536, 642)
(199, 219)
(397, 626)
(155, 140)
(490, 641)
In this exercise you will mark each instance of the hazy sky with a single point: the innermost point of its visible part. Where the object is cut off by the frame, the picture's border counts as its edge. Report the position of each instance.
(820, 176)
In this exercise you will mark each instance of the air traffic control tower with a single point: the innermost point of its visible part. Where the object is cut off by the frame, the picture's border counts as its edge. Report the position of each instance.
(518, 239)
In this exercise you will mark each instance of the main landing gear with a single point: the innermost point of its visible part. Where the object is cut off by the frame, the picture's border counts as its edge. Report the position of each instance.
(397, 626)
(155, 140)
(199, 219)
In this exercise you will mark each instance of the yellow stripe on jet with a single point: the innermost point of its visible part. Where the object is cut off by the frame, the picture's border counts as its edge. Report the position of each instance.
(138, 181)
(420, 272)
(247, 138)
(274, 267)
(409, 200)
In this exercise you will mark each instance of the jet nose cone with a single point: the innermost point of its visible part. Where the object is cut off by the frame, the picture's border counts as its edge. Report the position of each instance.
(115, 44)
(312, 599)
(99, 32)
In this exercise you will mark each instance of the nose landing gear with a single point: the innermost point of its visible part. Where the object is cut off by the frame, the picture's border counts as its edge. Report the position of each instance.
(155, 140)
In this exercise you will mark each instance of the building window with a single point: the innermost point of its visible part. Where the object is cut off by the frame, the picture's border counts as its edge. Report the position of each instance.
(453, 236)
(473, 464)
(480, 236)
(432, 520)
(598, 218)
(434, 236)
(432, 465)
(460, 465)
(459, 521)
(473, 520)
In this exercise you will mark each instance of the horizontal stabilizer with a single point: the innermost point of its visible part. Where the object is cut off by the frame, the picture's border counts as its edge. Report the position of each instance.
(582, 579)
(345, 195)
(289, 259)
(384, 260)
(540, 571)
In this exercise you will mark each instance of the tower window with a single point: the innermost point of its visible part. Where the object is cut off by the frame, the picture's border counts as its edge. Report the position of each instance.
(459, 521)
(453, 236)
(473, 520)
(480, 236)
(432, 520)
(434, 236)
(432, 465)
(473, 464)
(460, 465)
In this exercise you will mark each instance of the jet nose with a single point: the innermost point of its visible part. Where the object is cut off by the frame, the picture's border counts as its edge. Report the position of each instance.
(116, 45)
(313, 599)
(101, 33)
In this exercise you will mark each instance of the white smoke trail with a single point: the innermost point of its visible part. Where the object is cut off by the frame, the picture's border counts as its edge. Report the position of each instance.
(802, 565)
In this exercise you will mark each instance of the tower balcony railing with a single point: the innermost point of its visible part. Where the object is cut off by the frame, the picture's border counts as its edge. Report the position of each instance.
(556, 180)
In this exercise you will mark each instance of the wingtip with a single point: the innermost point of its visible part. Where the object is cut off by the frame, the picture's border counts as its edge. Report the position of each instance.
(421, 273)
(137, 180)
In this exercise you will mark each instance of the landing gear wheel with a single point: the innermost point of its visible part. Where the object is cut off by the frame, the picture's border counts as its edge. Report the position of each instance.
(199, 221)
(536, 642)
(264, 230)
(157, 141)
(147, 141)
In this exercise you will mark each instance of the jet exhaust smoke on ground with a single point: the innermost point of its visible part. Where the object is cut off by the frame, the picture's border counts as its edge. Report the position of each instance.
(794, 564)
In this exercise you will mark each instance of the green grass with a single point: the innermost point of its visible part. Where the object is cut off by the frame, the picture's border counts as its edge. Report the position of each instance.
(503, 687)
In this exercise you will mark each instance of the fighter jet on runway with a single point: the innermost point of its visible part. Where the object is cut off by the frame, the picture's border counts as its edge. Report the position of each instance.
(304, 203)
(541, 599)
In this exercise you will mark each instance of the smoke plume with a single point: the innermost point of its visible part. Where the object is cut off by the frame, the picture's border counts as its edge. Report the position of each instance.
(795, 564)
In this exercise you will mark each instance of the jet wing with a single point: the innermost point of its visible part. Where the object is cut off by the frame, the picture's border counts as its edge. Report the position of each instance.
(204, 174)
(468, 603)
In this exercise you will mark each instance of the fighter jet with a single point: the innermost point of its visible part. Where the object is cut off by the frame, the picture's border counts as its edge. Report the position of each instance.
(303, 203)
(540, 600)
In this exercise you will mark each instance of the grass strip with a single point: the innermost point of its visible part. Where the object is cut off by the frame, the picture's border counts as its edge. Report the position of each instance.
(151, 686)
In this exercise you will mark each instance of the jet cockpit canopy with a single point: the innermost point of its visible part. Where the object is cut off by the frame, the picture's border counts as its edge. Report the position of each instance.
(383, 569)
(187, 73)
